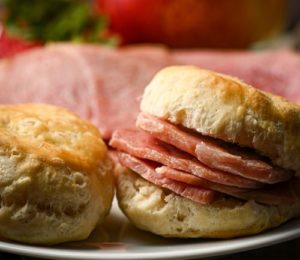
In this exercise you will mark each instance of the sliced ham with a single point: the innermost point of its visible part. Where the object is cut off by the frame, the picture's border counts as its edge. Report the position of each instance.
(190, 179)
(120, 76)
(100, 84)
(277, 194)
(143, 145)
(48, 76)
(146, 170)
(214, 153)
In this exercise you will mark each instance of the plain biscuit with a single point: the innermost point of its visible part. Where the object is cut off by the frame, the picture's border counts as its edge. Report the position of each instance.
(55, 177)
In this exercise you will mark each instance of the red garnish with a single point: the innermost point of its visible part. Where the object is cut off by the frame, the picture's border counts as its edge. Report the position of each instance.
(10, 46)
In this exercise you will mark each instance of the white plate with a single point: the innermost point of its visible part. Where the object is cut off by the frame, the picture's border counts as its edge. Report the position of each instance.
(118, 239)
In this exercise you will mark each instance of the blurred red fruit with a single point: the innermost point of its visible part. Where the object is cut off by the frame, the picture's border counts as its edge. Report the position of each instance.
(195, 23)
(10, 46)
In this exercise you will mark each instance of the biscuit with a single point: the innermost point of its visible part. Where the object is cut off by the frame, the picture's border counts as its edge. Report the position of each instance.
(56, 179)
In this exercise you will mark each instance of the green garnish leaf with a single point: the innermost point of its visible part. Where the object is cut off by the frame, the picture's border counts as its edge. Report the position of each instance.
(56, 20)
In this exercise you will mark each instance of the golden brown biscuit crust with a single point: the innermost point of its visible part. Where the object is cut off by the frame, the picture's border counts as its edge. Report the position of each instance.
(224, 107)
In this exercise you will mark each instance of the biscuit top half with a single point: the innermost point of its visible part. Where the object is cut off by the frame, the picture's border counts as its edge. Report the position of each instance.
(51, 134)
(224, 107)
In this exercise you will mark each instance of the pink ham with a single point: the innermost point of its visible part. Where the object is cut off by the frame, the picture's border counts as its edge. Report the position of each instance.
(146, 170)
(196, 181)
(100, 84)
(143, 145)
(120, 76)
(277, 194)
(214, 153)
(51, 76)
(104, 85)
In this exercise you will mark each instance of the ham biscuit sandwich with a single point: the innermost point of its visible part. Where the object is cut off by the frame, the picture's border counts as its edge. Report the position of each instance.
(211, 157)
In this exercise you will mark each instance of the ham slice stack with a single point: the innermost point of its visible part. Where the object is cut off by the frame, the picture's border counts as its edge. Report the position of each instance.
(198, 167)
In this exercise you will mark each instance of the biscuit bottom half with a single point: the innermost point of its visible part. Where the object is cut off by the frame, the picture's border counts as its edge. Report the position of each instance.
(164, 213)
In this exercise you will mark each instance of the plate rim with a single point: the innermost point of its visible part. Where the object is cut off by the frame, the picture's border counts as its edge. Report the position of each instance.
(220, 247)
